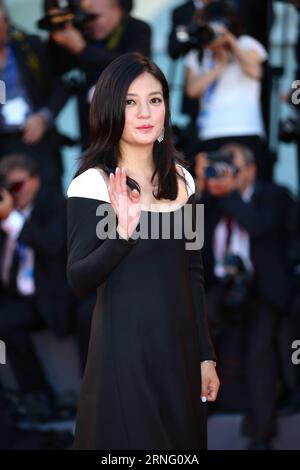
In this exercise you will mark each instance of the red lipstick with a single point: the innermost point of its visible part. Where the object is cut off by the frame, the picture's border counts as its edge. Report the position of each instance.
(145, 126)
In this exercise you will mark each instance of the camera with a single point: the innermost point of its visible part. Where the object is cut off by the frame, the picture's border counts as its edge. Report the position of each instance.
(58, 13)
(209, 27)
(289, 130)
(219, 164)
(196, 36)
(237, 281)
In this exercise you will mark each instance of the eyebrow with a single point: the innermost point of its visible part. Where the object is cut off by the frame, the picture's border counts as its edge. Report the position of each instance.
(150, 94)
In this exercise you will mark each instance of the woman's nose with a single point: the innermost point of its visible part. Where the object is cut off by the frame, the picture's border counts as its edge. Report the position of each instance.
(143, 110)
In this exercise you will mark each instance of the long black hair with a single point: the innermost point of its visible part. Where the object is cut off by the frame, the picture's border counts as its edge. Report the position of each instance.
(107, 120)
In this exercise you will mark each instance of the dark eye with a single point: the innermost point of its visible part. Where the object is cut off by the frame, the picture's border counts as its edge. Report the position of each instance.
(129, 101)
(156, 100)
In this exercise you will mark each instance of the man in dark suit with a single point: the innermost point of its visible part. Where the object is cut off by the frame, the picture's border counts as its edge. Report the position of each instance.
(33, 100)
(33, 287)
(245, 239)
(111, 33)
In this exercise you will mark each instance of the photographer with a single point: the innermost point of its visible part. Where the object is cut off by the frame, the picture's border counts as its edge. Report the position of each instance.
(182, 22)
(33, 99)
(254, 16)
(245, 269)
(33, 286)
(226, 78)
(106, 32)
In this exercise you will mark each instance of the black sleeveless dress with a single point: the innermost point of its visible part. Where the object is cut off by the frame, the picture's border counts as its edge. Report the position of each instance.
(142, 385)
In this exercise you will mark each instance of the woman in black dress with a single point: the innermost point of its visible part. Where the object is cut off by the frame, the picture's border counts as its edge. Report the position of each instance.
(150, 363)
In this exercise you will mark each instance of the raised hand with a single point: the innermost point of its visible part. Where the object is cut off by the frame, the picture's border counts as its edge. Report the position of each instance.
(125, 203)
(6, 203)
(34, 129)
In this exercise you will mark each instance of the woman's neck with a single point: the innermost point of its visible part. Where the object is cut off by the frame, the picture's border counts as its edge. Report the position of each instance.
(137, 160)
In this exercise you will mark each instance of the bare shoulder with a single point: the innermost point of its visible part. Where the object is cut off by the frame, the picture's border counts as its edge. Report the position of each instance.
(188, 179)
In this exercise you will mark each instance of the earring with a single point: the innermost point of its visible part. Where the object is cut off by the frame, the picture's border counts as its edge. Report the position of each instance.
(161, 136)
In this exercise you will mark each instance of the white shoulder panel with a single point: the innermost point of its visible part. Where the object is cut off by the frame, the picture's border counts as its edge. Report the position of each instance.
(89, 184)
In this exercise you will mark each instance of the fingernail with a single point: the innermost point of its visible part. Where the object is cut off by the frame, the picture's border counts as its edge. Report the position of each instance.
(203, 399)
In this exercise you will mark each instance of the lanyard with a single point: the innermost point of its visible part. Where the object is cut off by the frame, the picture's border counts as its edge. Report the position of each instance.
(206, 98)
(10, 72)
(21, 249)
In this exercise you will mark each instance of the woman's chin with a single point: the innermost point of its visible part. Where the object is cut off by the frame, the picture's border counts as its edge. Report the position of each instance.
(144, 140)
(140, 139)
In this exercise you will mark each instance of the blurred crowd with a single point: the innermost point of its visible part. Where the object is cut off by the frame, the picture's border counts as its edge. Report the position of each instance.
(251, 252)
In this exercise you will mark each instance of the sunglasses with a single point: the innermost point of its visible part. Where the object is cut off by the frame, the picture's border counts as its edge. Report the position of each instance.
(16, 186)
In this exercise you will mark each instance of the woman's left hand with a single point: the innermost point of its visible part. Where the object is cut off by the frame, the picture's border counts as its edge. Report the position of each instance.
(209, 382)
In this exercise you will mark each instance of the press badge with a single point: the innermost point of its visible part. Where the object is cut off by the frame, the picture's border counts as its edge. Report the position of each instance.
(15, 112)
